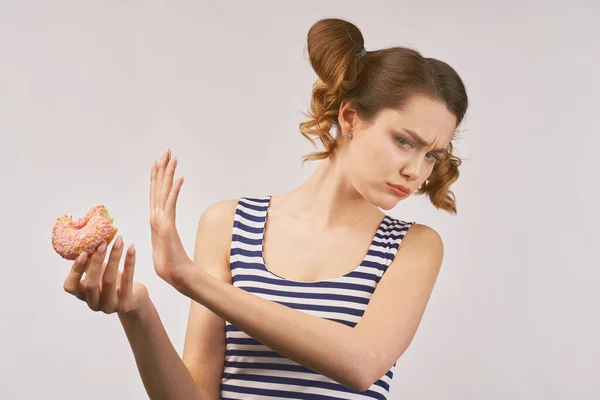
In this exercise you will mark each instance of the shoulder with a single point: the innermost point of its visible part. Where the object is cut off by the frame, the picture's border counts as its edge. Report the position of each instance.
(219, 212)
(424, 234)
(217, 220)
(213, 237)
(423, 242)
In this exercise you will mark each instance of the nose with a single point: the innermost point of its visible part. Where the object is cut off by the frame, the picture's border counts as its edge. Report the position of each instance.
(412, 169)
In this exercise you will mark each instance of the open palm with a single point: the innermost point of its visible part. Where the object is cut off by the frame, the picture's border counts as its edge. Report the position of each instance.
(168, 254)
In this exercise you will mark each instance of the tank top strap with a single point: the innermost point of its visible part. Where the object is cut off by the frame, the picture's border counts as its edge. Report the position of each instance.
(391, 237)
(248, 231)
(252, 211)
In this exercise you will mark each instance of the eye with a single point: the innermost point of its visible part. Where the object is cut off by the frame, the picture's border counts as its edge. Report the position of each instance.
(433, 158)
(407, 144)
(403, 142)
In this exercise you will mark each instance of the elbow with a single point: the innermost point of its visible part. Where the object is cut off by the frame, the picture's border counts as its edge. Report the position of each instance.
(362, 387)
(358, 378)
(366, 375)
(359, 385)
(371, 369)
(362, 384)
(369, 363)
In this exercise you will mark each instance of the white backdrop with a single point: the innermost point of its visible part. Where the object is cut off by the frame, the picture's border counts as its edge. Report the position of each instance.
(91, 92)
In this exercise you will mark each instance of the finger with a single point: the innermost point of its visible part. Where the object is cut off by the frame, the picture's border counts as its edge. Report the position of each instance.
(171, 205)
(91, 282)
(119, 274)
(80, 294)
(161, 173)
(81, 290)
(167, 182)
(71, 284)
(153, 185)
(127, 275)
(108, 295)
(102, 273)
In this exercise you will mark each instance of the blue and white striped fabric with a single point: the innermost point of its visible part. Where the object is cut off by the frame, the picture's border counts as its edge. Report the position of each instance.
(254, 371)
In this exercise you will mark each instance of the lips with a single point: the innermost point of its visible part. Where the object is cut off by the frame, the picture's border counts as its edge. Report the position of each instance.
(401, 188)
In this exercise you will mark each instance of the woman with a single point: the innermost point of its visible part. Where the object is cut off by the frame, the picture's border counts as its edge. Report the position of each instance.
(321, 301)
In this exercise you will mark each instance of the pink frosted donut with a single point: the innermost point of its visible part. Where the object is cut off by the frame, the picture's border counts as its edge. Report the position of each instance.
(70, 239)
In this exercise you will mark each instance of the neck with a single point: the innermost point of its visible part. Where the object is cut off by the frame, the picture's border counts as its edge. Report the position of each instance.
(328, 200)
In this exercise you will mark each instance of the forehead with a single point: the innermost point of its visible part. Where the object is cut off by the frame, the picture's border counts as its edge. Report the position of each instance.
(429, 118)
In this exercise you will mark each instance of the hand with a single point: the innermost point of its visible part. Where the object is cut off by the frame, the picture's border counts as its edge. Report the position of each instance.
(105, 288)
(168, 254)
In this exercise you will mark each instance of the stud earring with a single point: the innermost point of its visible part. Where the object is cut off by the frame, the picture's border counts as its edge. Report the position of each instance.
(349, 136)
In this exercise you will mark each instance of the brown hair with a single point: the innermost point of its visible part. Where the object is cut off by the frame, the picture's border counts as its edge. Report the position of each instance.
(382, 79)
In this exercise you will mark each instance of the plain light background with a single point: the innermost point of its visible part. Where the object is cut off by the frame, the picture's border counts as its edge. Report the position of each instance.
(92, 92)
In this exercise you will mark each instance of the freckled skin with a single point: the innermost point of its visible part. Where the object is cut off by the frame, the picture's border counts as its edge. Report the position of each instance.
(71, 238)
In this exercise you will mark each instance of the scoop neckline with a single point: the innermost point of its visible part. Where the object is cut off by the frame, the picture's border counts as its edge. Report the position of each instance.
(266, 267)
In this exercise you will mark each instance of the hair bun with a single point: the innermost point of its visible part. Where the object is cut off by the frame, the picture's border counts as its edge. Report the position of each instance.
(333, 46)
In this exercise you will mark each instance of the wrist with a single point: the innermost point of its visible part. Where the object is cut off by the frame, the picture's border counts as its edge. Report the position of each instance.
(194, 282)
(182, 277)
(141, 310)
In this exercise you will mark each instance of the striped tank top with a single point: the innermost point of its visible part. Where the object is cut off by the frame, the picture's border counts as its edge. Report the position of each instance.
(254, 371)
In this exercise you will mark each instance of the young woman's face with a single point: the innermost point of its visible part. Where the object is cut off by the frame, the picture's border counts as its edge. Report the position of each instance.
(399, 148)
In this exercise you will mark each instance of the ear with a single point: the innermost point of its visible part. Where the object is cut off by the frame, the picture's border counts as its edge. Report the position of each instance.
(347, 117)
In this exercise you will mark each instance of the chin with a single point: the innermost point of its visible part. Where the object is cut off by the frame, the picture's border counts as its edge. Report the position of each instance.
(385, 201)
(388, 205)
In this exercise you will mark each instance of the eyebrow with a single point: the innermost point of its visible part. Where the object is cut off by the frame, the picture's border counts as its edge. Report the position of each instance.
(423, 142)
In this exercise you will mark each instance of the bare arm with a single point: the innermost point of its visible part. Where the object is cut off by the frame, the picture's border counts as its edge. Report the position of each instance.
(106, 289)
(163, 372)
(197, 374)
(355, 357)
(204, 349)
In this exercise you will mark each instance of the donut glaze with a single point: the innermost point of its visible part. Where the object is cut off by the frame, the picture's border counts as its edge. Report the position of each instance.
(71, 238)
